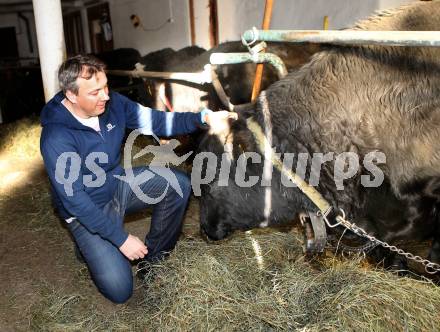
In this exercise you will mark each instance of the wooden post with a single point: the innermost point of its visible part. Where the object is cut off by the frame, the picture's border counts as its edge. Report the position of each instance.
(259, 72)
(325, 23)
(213, 23)
(191, 22)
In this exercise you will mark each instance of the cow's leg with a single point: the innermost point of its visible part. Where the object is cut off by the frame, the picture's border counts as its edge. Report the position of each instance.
(213, 218)
(434, 253)
(396, 263)
(432, 191)
(423, 204)
(389, 260)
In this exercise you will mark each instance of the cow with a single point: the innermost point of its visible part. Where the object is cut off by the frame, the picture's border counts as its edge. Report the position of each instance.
(191, 97)
(237, 79)
(368, 100)
(125, 59)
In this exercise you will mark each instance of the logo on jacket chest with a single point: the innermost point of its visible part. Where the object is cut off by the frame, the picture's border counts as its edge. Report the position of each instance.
(110, 126)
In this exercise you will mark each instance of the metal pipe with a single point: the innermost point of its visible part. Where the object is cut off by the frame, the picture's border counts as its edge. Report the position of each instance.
(197, 78)
(347, 37)
(51, 46)
(207, 76)
(233, 58)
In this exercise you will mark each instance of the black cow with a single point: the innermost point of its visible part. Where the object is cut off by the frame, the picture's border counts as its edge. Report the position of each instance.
(346, 99)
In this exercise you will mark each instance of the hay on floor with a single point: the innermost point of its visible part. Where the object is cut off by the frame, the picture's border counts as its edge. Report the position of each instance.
(228, 287)
(255, 281)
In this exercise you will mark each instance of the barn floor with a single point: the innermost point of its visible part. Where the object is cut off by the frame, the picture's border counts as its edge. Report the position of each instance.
(44, 287)
(36, 253)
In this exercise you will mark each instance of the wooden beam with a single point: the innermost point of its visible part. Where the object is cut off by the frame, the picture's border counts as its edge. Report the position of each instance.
(213, 23)
(259, 72)
(191, 22)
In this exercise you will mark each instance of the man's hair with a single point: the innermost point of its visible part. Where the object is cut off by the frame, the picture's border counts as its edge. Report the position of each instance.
(84, 66)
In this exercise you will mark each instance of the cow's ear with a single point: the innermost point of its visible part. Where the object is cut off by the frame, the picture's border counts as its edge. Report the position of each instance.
(245, 110)
(244, 140)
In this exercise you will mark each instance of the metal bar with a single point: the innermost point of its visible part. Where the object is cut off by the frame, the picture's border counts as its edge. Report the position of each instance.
(233, 58)
(197, 78)
(348, 37)
(205, 76)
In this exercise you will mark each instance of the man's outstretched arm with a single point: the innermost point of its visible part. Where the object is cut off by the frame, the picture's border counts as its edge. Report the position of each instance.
(152, 121)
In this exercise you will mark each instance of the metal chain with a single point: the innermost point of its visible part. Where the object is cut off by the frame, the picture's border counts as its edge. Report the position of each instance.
(368, 246)
(430, 267)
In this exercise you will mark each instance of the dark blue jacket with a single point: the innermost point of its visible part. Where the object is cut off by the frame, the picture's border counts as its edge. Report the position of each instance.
(65, 136)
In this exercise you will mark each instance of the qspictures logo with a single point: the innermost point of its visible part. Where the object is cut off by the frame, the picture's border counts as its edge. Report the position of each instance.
(164, 156)
(205, 168)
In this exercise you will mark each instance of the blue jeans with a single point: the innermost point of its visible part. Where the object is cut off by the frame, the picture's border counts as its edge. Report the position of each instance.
(109, 268)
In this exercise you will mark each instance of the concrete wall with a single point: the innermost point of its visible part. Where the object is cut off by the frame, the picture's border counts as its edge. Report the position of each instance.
(165, 23)
(384, 4)
(237, 16)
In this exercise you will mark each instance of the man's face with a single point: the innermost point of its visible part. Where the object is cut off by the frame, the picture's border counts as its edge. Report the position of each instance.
(92, 95)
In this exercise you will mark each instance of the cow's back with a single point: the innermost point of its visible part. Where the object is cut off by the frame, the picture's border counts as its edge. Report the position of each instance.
(367, 98)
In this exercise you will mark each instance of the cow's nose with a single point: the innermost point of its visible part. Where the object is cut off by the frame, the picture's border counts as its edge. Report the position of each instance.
(204, 234)
(217, 233)
(208, 236)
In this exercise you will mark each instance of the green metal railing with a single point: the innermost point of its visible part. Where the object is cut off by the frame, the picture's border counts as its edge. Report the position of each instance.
(235, 58)
(347, 37)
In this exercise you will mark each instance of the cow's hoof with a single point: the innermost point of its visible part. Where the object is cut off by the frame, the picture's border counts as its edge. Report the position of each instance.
(434, 255)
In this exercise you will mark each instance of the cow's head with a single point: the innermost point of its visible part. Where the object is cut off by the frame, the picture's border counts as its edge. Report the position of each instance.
(228, 205)
(223, 204)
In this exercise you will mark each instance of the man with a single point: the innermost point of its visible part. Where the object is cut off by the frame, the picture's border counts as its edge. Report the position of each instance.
(83, 130)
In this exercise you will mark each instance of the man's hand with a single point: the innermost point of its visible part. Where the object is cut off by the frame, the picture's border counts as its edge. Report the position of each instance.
(219, 122)
(133, 248)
